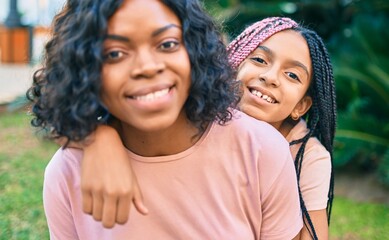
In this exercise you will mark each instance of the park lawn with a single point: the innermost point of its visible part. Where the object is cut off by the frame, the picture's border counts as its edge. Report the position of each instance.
(352, 220)
(22, 162)
(23, 158)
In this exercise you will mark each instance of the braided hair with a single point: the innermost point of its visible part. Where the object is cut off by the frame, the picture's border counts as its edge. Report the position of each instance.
(321, 117)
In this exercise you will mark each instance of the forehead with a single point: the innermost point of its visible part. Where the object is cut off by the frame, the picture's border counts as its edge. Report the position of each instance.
(139, 15)
(289, 44)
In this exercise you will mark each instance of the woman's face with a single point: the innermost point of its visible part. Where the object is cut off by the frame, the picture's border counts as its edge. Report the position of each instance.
(276, 77)
(146, 73)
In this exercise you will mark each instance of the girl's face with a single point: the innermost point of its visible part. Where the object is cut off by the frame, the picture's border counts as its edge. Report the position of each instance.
(276, 77)
(146, 73)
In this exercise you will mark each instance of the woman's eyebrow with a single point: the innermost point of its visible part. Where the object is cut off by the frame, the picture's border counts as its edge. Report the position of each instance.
(117, 38)
(153, 34)
(163, 29)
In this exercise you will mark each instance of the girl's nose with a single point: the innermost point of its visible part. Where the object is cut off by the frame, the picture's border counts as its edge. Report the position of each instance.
(270, 77)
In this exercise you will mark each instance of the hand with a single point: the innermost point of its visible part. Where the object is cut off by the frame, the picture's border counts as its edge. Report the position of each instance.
(108, 182)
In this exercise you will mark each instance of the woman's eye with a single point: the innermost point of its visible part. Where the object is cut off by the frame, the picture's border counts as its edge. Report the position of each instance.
(113, 55)
(293, 76)
(259, 60)
(169, 45)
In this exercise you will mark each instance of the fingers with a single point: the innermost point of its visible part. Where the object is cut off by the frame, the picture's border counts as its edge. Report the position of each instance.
(87, 202)
(111, 209)
(138, 201)
(123, 210)
(109, 212)
(97, 207)
(104, 209)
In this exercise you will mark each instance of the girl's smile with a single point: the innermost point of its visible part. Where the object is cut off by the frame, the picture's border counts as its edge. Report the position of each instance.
(262, 94)
(276, 77)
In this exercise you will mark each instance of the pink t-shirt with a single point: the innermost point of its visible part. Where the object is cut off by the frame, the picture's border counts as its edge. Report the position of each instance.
(237, 182)
(315, 170)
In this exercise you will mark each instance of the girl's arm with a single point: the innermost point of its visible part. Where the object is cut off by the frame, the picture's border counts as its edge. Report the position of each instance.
(319, 220)
(108, 182)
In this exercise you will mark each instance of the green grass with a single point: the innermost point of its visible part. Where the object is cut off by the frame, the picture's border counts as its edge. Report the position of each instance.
(353, 220)
(22, 162)
(23, 159)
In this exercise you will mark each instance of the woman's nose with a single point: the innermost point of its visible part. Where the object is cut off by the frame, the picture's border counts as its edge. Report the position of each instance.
(146, 65)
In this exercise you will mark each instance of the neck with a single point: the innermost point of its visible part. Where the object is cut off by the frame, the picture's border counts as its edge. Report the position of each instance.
(172, 140)
(286, 126)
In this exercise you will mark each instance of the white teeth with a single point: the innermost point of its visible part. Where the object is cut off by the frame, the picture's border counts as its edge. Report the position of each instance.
(263, 96)
(152, 96)
(256, 93)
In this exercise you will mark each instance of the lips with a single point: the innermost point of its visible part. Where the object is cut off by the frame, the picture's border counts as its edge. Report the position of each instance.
(148, 94)
(260, 93)
(152, 95)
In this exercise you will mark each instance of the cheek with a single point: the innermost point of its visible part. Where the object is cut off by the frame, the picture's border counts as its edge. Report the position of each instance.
(185, 69)
(109, 84)
(245, 73)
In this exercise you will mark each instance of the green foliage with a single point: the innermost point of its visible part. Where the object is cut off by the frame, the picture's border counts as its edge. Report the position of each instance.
(383, 168)
(321, 15)
(362, 74)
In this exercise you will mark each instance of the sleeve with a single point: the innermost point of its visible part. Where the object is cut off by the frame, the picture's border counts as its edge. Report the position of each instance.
(281, 214)
(315, 177)
(56, 200)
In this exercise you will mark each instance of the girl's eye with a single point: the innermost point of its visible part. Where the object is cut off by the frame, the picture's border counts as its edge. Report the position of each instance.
(259, 60)
(293, 76)
(113, 55)
(169, 46)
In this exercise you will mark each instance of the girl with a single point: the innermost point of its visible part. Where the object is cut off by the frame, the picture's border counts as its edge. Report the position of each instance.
(159, 68)
(288, 82)
(287, 77)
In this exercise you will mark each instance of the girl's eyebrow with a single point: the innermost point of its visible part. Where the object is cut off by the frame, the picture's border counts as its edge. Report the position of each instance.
(299, 64)
(267, 50)
(296, 63)
(153, 34)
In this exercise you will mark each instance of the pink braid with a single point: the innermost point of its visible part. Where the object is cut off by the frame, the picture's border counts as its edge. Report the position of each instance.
(243, 45)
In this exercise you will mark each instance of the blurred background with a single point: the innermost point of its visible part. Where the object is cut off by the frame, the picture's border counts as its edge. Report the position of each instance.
(356, 33)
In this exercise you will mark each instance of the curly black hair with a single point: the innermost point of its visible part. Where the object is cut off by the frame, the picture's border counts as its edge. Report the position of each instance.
(66, 90)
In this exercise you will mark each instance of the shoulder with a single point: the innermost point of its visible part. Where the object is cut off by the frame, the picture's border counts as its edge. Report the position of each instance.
(315, 175)
(316, 153)
(244, 126)
(64, 164)
(61, 193)
(263, 146)
(259, 135)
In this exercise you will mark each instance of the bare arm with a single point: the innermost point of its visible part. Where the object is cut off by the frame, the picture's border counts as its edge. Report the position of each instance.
(319, 220)
(108, 182)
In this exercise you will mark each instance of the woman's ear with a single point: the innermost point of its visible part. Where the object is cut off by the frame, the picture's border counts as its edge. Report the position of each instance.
(301, 108)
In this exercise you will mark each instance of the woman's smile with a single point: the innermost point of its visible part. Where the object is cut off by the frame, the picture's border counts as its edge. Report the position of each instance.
(157, 100)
